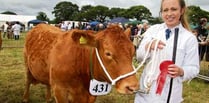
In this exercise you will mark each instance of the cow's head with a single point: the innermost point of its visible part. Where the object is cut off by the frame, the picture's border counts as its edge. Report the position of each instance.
(116, 52)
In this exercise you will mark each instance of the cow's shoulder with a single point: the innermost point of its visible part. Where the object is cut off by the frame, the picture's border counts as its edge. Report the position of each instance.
(41, 38)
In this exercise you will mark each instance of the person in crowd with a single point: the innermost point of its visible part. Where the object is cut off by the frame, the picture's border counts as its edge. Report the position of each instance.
(63, 26)
(88, 27)
(144, 27)
(1, 29)
(139, 29)
(79, 26)
(5, 28)
(9, 32)
(194, 31)
(134, 31)
(69, 27)
(100, 27)
(202, 37)
(137, 38)
(16, 30)
(73, 25)
(184, 67)
(126, 26)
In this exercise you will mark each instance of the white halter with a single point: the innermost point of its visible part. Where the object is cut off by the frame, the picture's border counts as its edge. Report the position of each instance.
(113, 81)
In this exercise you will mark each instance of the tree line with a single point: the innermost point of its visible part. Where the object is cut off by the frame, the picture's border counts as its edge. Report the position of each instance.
(66, 10)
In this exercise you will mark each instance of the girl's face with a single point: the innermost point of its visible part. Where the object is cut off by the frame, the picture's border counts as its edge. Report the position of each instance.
(171, 12)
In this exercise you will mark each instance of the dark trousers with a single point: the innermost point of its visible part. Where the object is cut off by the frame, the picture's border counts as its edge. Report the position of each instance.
(16, 37)
(207, 53)
(5, 33)
(204, 51)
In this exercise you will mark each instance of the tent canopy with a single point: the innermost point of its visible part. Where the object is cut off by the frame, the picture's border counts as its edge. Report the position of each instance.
(135, 22)
(13, 22)
(93, 23)
(119, 20)
(35, 21)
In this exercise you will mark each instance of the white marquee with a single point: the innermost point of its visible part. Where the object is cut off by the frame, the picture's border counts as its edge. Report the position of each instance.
(21, 18)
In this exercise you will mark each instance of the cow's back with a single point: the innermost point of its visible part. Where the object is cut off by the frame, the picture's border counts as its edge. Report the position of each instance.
(39, 42)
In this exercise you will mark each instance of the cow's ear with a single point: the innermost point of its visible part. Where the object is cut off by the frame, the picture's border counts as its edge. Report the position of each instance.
(128, 32)
(84, 37)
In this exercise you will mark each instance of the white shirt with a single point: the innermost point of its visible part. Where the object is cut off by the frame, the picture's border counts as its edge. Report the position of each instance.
(186, 57)
(69, 26)
(5, 27)
(16, 29)
(63, 27)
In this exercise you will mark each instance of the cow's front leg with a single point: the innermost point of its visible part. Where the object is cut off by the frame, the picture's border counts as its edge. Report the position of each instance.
(82, 96)
(48, 94)
(60, 94)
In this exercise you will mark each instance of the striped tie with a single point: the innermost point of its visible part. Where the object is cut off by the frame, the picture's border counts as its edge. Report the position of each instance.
(167, 33)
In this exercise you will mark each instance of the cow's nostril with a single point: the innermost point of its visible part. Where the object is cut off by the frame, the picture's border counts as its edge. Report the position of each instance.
(129, 89)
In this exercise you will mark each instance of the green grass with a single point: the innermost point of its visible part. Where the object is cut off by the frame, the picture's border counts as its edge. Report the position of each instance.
(12, 82)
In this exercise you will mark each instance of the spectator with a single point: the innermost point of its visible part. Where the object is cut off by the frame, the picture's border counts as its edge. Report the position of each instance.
(63, 26)
(10, 34)
(69, 27)
(144, 28)
(201, 37)
(16, 30)
(5, 29)
(0, 40)
(134, 31)
(139, 29)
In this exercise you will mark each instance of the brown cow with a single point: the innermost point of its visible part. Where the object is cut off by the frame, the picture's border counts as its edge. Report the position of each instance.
(58, 60)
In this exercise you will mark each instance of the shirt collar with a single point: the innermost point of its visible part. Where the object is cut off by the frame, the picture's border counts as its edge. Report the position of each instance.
(173, 29)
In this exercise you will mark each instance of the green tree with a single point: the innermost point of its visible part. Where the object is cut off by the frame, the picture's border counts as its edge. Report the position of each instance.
(100, 12)
(85, 13)
(65, 11)
(155, 20)
(42, 16)
(195, 13)
(116, 12)
(92, 13)
(138, 12)
(9, 12)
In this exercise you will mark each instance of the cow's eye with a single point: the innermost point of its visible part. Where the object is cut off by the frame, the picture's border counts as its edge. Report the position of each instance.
(108, 54)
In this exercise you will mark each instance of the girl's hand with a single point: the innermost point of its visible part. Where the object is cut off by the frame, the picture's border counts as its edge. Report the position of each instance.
(175, 71)
(159, 46)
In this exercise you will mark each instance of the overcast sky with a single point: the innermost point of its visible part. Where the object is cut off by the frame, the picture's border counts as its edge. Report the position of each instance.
(32, 7)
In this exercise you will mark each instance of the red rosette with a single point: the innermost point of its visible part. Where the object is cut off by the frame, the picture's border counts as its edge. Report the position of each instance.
(162, 76)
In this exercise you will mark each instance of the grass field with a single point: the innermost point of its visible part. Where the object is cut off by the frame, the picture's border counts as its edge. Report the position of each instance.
(12, 82)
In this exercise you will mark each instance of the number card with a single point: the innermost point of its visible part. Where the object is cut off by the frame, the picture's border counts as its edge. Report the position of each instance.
(99, 88)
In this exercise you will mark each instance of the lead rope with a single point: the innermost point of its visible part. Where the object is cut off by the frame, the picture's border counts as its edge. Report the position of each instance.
(146, 55)
(149, 77)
